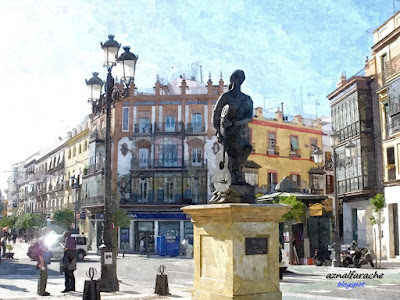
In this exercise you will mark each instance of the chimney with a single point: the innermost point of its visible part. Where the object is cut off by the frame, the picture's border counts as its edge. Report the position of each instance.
(183, 87)
(298, 120)
(157, 86)
(279, 115)
(209, 85)
(342, 81)
(258, 112)
(221, 85)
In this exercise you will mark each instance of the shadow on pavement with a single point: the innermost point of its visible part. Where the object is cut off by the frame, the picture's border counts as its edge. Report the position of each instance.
(15, 268)
(13, 288)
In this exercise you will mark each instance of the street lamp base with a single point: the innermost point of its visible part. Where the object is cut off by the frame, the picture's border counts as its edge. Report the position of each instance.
(335, 263)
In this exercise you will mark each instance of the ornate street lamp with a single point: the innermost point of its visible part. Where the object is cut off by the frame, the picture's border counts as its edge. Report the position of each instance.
(351, 150)
(108, 281)
(334, 138)
(127, 65)
(318, 155)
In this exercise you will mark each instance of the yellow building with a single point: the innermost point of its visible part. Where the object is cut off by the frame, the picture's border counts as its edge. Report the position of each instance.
(284, 148)
(76, 164)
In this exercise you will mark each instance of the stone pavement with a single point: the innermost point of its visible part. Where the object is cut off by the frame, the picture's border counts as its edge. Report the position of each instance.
(24, 286)
(301, 282)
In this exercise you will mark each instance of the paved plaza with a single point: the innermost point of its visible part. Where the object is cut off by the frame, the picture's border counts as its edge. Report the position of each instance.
(137, 274)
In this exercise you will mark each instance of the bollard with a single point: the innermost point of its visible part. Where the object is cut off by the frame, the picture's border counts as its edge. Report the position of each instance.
(91, 290)
(161, 282)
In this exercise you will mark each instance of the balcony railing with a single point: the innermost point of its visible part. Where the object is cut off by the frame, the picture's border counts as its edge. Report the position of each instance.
(93, 201)
(273, 150)
(195, 127)
(391, 67)
(95, 168)
(191, 127)
(58, 187)
(167, 163)
(317, 191)
(392, 174)
(143, 129)
(295, 153)
(164, 127)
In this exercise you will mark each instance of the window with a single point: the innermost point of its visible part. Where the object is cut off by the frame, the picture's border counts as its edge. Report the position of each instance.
(169, 189)
(272, 181)
(390, 155)
(170, 123)
(196, 155)
(69, 154)
(169, 155)
(197, 122)
(271, 143)
(355, 223)
(144, 126)
(79, 149)
(74, 152)
(143, 157)
(329, 184)
(143, 189)
(125, 119)
(85, 146)
(293, 143)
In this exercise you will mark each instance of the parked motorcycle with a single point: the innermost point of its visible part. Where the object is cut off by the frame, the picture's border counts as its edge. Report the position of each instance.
(362, 256)
(356, 256)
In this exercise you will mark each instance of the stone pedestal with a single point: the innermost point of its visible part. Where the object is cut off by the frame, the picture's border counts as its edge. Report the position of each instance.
(236, 251)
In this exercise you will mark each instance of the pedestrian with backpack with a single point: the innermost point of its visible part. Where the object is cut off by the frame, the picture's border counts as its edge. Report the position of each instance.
(69, 262)
(43, 255)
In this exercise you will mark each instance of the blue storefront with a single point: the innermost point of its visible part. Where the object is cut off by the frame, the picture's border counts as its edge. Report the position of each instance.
(148, 226)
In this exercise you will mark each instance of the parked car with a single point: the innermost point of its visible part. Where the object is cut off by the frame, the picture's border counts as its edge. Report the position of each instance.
(81, 246)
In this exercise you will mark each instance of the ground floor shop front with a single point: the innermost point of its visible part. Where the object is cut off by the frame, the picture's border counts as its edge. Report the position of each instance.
(390, 227)
(145, 227)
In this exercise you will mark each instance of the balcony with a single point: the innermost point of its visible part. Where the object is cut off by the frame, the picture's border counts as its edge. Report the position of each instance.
(142, 164)
(93, 201)
(273, 150)
(390, 68)
(392, 173)
(168, 127)
(193, 127)
(95, 168)
(295, 153)
(58, 187)
(143, 129)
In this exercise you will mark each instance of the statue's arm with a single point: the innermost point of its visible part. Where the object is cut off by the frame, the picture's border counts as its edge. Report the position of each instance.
(217, 111)
(249, 113)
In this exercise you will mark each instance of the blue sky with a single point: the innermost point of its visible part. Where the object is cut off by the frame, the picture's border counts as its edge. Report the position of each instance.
(289, 50)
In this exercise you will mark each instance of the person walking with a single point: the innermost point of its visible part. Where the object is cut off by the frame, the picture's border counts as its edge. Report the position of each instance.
(44, 257)
(142, 247)
(3, 246)
(14, 238)
(69, 262)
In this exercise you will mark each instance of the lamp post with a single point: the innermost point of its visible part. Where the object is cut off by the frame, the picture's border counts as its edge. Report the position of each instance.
(127, 65)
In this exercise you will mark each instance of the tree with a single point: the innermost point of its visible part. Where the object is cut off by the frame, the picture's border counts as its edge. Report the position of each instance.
(121, 219)
(377, 205)
(64, 218)
(29, 221)
(8, 221)
(297, 211)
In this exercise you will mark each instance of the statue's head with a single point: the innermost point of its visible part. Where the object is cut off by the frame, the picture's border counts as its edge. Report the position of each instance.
(237, 77)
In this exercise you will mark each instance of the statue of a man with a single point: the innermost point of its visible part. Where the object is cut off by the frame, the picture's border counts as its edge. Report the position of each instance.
(236, 135)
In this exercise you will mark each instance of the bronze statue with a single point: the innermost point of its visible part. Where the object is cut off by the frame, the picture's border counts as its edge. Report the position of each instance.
(232, 113)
